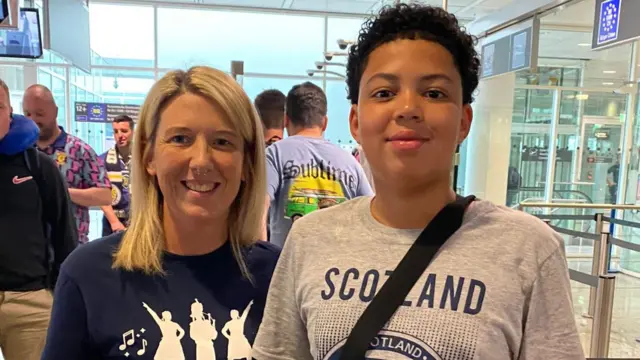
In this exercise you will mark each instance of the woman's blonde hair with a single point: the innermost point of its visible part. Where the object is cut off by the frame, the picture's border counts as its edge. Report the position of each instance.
(143, 242)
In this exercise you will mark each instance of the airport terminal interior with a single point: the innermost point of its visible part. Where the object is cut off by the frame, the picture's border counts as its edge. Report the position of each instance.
(549, 136)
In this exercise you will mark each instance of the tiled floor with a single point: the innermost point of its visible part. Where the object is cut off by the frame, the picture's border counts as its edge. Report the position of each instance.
(625, 328)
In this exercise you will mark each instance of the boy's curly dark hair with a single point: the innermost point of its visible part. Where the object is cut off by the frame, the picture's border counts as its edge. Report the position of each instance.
(416, 22)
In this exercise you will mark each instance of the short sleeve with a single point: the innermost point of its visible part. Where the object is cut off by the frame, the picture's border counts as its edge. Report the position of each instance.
(273, 174)
(94, 172)
(550, 327)
(282, 334)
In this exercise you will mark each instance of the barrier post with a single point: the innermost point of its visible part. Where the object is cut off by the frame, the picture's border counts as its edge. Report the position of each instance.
(601, 331)
(603, 253)
(595, 266)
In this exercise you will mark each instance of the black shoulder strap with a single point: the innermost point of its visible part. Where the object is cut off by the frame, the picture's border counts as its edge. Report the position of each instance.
(411, 267)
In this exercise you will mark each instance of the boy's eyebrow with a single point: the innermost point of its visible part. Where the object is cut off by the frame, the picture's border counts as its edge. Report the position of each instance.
(427, 77)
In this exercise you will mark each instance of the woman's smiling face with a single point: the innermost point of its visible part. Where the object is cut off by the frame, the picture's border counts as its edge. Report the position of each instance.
(197, 158)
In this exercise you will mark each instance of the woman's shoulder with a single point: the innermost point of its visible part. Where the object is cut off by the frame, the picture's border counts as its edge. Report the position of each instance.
(93, 256)
(262, 257)
(262, 252)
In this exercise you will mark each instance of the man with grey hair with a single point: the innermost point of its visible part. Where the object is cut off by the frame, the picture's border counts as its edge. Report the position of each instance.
(305, 172)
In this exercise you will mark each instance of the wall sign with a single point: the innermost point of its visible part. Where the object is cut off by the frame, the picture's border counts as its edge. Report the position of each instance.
(608, 18)
(104, 113)
(616, 21)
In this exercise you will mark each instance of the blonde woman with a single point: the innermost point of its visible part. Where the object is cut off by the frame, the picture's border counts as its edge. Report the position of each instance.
(199, 178)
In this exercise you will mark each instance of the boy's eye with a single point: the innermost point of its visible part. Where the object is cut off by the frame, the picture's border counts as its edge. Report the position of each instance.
(435, 94)
(382, 94)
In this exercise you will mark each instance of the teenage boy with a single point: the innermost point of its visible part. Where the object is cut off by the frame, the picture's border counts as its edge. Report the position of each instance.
(497, 289)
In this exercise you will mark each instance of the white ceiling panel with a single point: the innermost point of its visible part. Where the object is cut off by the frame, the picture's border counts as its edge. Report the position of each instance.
(464, 9)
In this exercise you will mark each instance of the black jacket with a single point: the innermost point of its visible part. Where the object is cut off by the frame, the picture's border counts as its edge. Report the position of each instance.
(37, 231)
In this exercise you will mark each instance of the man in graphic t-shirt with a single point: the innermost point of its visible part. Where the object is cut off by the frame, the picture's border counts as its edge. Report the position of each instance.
(305, 172)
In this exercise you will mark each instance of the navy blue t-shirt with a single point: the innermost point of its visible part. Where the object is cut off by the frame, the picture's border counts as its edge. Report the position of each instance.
(203, 308)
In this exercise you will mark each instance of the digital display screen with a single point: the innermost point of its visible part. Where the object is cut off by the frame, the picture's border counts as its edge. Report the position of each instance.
(26, 41)
(4, 9)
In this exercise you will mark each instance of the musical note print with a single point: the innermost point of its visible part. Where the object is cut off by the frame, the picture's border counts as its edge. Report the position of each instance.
(144, 348)
(126, 341)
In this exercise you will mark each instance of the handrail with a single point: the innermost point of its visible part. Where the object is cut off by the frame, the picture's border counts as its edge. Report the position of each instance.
(580, 206)
(556, 192)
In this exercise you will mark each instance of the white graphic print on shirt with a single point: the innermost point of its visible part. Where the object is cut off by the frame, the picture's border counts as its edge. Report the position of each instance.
(348, 292)
(202, 330)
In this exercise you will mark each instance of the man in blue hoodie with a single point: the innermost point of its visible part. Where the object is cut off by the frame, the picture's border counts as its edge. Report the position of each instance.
(37, 233)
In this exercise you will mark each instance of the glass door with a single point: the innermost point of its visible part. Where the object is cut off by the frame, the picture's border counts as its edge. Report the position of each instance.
(599, 156)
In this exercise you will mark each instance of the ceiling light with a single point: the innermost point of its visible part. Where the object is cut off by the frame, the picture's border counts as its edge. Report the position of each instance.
(582, 96)
(584, 44)
(607, 83)
(608, 71)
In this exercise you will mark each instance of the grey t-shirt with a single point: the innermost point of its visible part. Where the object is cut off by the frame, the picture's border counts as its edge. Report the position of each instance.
(305, 174)
(497, 289)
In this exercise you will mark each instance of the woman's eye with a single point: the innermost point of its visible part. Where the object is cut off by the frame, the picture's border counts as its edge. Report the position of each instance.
(382, 94)
(179, 139)
(435, 94)
(222, 142)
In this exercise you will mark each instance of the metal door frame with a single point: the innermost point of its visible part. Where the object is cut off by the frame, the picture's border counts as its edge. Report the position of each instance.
(594, 120)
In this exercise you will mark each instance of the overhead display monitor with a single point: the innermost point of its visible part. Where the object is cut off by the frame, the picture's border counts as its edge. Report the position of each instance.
(4, 10)
(512, 49)
(26, 41)
(9, 14)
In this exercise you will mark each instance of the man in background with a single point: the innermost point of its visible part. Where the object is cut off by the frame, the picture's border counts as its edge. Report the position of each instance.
(305, 172)
(77, 161)
(117, 161)
(613, 175)
(38, 232)
(270, 107)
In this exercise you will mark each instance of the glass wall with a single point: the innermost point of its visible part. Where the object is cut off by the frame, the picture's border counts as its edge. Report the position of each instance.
(128, 56)
(584, 102)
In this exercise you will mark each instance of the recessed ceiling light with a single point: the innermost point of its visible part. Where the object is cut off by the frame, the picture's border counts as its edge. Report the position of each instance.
(609, 72)
(607, 83)
(584, 44)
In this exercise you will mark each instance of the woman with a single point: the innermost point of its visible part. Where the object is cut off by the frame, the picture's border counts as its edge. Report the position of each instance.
(499, 286)
(198, 174)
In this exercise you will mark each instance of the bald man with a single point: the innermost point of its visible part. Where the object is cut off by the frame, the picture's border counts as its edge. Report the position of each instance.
(77, 161)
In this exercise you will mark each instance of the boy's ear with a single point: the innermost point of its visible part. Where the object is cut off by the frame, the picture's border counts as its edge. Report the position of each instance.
(465, 123)
(354, 123)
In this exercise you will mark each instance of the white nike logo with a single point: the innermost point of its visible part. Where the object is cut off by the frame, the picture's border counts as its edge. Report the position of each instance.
(17, 180)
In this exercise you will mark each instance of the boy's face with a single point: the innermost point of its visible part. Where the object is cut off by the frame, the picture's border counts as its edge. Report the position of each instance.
(410, 117)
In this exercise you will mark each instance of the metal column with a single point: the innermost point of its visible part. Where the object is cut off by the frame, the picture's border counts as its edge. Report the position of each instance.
(237, 71)
(601, 332)
(553, 143)
(627, 135)
(595, 266)
(445, 4)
